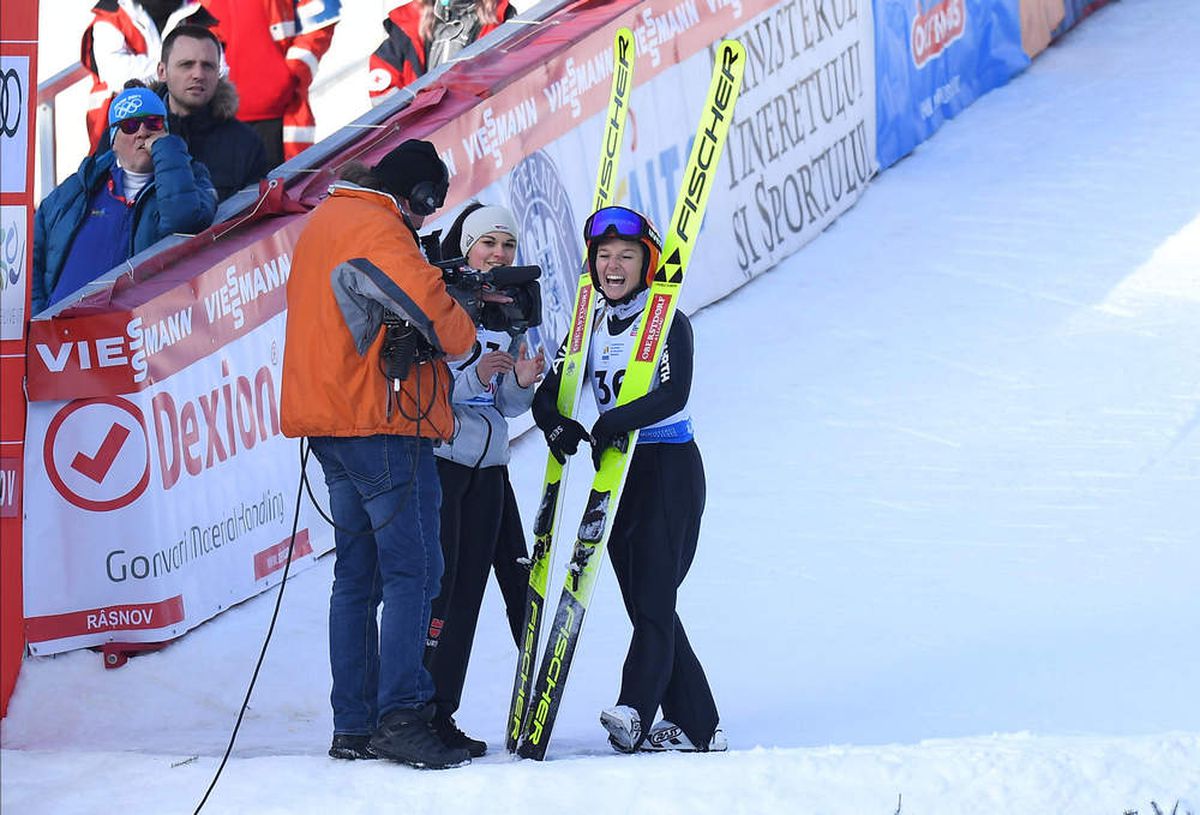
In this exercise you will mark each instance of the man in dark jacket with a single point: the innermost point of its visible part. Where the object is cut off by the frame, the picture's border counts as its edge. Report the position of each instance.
(202, 107)
(120, 202)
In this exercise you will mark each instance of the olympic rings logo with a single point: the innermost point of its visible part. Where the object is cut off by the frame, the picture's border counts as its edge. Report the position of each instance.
(127, 107)
(10, 110)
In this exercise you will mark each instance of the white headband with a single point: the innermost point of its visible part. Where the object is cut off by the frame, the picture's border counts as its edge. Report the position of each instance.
(485, 220)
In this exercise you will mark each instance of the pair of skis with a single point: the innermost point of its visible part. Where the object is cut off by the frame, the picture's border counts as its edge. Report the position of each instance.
(532, 714)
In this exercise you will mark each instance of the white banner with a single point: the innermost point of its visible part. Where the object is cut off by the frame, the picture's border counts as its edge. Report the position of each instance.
(155, 511)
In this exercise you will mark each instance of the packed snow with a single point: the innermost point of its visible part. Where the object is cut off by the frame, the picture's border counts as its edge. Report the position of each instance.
(951, 556)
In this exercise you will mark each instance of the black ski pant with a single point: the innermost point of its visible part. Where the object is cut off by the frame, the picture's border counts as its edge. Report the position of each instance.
(652, 545)
(476, 529)
(512, 575)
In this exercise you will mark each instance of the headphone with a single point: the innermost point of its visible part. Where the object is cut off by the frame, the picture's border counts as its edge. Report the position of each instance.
(427, 197)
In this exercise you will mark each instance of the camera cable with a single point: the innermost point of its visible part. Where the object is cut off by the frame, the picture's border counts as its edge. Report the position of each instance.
(305, 486)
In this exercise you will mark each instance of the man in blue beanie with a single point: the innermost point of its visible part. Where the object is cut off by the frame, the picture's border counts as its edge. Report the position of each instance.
(120, 202)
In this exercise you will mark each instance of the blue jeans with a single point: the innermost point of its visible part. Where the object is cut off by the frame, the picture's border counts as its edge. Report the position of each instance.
(389, 484)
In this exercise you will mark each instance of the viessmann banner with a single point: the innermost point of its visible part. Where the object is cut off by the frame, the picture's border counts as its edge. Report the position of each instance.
(161, 491)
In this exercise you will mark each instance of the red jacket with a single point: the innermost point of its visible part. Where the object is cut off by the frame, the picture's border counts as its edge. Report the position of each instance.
(272, 48)
(402, 56)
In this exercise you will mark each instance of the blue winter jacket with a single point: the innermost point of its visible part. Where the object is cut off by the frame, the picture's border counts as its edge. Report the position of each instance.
(180, 199)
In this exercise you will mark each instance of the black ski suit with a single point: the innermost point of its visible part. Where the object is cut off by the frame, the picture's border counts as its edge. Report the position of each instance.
(653, 541)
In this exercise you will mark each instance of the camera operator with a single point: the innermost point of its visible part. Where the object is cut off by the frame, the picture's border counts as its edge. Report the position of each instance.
(369, 322)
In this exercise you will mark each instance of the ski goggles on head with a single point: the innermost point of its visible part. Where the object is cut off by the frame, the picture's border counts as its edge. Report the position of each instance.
(618, 222)
(152, 123)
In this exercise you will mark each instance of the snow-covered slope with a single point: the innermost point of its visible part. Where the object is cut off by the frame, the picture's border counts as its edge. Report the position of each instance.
(951, 557)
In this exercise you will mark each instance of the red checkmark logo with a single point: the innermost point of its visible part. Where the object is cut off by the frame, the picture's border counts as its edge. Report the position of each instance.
(96, 467)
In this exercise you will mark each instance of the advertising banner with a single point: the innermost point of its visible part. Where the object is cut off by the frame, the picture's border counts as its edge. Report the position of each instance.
(158, 510)
(933, 58)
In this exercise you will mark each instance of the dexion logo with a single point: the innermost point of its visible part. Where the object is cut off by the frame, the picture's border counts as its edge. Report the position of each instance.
(197, 434)
(936, 29)
(96, 453)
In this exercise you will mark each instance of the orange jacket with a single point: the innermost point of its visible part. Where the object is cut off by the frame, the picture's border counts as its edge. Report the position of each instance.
(329, 389)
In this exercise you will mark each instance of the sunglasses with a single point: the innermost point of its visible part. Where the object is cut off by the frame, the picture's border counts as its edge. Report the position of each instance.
(152, 123)
(618, 222)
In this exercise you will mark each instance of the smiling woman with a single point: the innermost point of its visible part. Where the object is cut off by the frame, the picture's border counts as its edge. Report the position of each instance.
(652, 541)
(481, 527)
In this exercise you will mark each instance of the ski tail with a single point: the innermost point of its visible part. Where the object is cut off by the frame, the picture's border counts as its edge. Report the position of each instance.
(595, 527)
(570, 388)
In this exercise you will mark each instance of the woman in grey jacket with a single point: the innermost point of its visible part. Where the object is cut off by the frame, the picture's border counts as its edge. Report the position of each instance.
(479, 522)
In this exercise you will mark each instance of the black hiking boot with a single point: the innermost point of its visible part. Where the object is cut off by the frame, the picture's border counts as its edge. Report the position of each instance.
(408, 737)
(351, 747)
(452, 736)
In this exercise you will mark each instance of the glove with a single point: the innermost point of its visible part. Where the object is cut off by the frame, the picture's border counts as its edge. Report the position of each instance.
(563, 439)
(606, 433)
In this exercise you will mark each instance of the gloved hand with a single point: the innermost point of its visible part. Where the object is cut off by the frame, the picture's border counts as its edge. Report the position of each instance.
(563, 439)
(606, 433)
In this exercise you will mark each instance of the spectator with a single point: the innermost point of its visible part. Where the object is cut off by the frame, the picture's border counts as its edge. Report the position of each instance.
(120, 202)
(489, 386)
(273, 48)
(202, 107)
(372, 417)
(124, 42)
(422, 34)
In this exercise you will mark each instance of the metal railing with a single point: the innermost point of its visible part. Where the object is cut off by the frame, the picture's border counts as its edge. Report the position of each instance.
(47, 135)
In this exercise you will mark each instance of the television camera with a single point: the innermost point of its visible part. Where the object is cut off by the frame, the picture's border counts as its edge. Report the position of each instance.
(503, 298)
